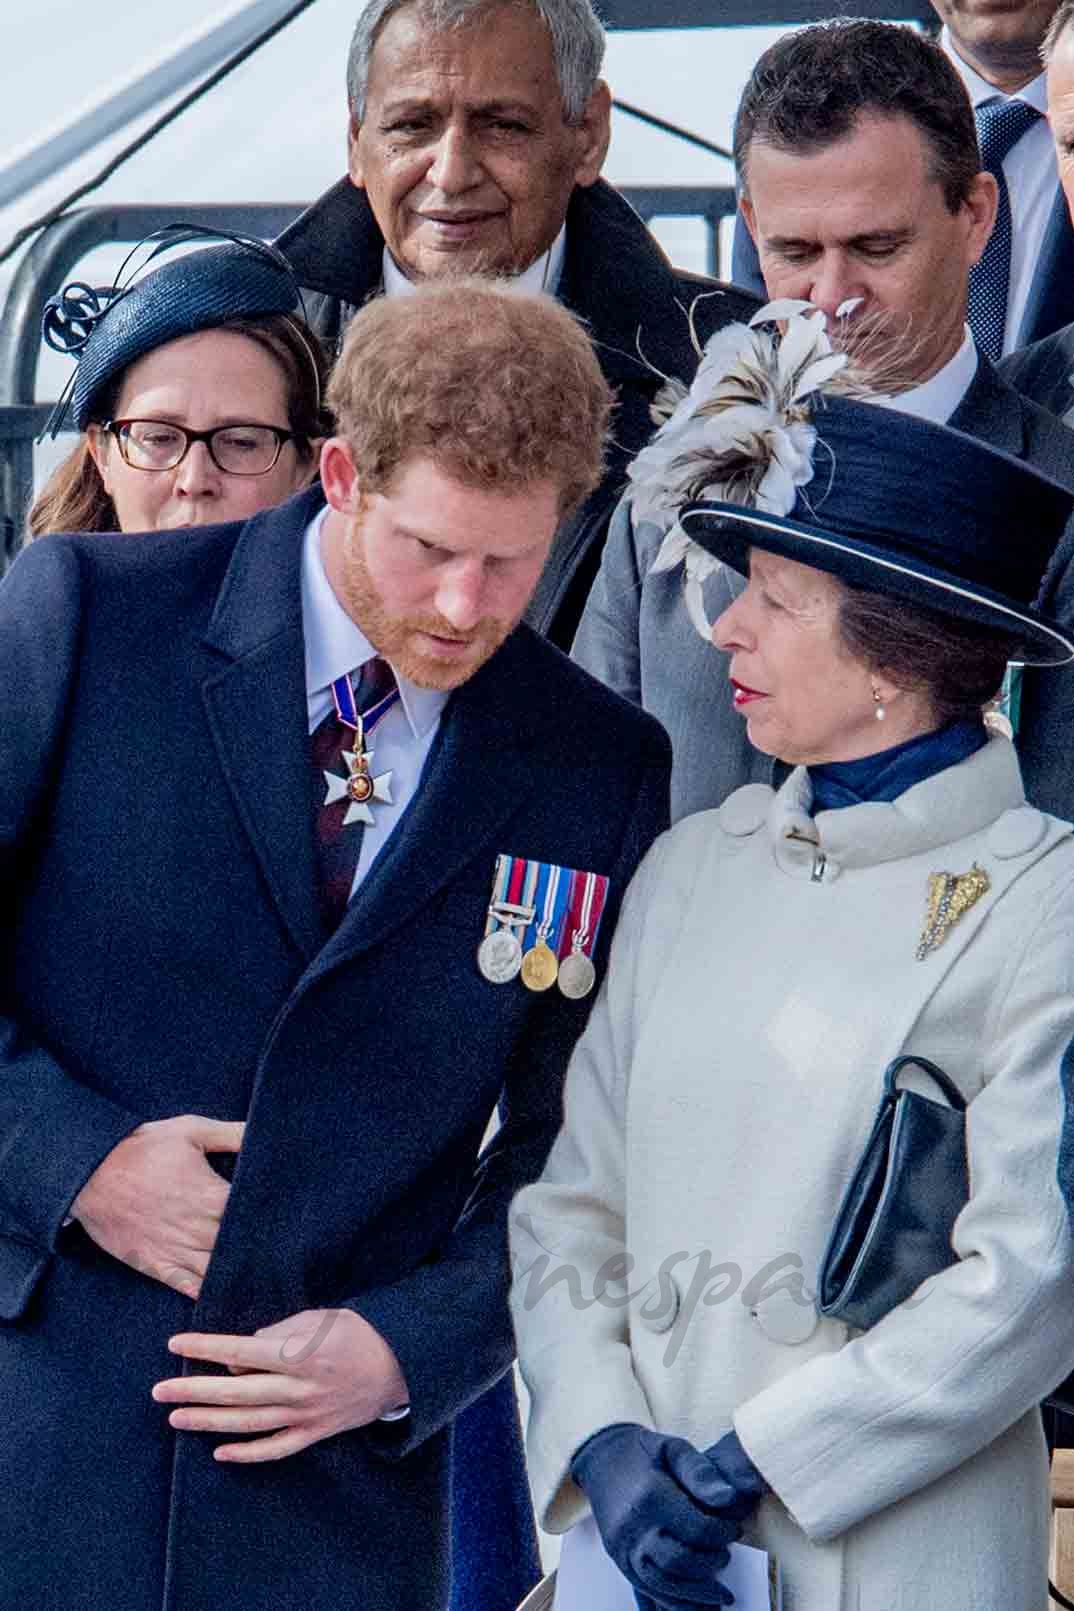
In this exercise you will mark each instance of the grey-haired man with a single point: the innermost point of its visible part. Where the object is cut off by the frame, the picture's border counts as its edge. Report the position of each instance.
(477, 133)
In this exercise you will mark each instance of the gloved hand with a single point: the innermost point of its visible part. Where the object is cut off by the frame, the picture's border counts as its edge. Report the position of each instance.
(735, 1465)
(661, 1509)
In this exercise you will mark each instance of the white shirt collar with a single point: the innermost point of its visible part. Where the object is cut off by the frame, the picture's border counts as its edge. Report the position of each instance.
(1035, 93)
(543, 275)
(937, 398)
(336, 645)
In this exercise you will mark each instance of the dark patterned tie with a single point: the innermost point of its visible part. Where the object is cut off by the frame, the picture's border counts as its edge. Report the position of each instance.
(1000, 126)
(339, 847)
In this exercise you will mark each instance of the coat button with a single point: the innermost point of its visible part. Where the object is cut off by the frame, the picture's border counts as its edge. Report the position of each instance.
(1017, 832)
(746, 810)
(786, 1319)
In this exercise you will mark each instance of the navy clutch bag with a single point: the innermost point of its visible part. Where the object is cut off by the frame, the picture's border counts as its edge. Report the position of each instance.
(893, 1226)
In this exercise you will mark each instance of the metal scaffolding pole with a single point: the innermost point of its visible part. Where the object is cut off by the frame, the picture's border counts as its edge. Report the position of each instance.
(740, 13)
(188, 59)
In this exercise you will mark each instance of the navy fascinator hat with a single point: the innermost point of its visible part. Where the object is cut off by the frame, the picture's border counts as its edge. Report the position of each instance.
(107, 330)
(765, 452)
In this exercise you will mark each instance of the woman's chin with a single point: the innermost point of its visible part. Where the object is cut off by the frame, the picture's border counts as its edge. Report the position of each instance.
(762, 741)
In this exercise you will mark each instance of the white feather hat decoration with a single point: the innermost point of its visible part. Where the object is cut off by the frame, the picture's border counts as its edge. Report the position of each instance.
(741, 433)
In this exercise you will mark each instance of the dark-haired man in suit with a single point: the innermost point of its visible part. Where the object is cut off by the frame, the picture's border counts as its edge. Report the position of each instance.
(1024, 288)
(257, 789)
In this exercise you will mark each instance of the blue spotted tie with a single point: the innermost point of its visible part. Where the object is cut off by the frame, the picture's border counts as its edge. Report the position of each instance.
(1000, 126)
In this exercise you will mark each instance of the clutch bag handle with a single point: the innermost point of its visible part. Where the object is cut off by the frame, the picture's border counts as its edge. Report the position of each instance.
(944, 1081)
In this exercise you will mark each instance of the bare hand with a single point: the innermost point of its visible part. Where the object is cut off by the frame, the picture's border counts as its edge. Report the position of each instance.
(156, 1202)
(318, 1373)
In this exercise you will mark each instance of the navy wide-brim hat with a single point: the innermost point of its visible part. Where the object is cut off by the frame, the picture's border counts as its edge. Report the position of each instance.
(108, 330)
(917, 511)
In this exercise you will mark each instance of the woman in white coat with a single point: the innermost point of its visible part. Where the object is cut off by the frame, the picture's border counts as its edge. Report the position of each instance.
(772, 958)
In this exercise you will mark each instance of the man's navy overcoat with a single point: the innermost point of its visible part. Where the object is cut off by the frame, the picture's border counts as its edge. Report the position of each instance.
(161, 955)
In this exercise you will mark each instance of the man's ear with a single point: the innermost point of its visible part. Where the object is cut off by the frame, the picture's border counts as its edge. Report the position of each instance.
(980, 205)
(595, 133)
(749, 217)
(339, 476)
(354, 159)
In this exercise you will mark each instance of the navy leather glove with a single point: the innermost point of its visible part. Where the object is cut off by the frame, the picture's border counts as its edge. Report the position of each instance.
(736, 1467)
(662, 1511)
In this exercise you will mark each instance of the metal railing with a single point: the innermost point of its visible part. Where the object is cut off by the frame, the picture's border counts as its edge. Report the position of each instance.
(61, 247)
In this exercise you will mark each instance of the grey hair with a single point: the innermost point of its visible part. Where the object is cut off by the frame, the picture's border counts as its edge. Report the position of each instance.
(1061, 21)
(577, 42)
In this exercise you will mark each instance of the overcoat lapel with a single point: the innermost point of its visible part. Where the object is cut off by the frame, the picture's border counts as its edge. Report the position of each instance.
(992, 410)
(481, 769)
(1051, 298)
(256, 708)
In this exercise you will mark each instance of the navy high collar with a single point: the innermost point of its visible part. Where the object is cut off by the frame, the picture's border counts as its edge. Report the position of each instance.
(891, 772)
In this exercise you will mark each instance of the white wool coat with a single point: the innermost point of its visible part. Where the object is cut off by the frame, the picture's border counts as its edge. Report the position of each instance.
(762, 977)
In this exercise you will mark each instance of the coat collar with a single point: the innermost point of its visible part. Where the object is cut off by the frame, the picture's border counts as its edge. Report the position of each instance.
(953, 804)
(480, 769)
(615, 277)
(255, 704)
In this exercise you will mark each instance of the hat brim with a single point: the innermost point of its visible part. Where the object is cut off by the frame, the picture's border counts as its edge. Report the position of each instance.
(728, 531)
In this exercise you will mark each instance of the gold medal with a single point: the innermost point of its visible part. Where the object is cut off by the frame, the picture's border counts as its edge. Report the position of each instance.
(539, 968)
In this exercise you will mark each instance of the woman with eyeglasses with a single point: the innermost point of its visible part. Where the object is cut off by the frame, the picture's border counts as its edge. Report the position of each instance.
(198, 396)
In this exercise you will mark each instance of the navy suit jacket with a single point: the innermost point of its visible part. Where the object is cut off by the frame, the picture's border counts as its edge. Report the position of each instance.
(161, 955)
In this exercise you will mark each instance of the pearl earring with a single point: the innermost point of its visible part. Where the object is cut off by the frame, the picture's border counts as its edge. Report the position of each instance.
(879, 712)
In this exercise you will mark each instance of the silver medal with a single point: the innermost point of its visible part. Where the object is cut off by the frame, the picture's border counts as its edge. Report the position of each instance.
(499, 956)
(577, 976)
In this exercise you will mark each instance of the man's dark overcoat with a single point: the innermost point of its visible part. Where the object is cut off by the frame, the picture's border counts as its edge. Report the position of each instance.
(161, 955)
(636, 306)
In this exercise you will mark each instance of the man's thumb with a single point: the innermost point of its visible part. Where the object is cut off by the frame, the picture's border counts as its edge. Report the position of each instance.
(218, 1135)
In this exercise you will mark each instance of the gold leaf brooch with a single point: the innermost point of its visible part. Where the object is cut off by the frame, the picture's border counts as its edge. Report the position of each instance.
(951, 895)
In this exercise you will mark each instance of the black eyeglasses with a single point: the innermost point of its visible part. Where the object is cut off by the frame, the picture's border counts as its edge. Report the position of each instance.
(235, 449)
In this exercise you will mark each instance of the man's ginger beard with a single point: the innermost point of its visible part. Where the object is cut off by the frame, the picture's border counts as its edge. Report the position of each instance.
(393, 635)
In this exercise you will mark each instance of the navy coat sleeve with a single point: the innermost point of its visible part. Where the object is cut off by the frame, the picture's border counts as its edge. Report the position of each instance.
(448, 1321)
(54, 1130)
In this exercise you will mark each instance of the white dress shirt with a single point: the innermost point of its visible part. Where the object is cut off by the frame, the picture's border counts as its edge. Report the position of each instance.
(1032, 183)
(937, 398)
(543, 275)
(335, 646)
